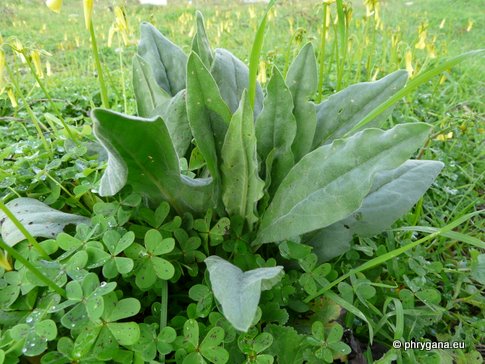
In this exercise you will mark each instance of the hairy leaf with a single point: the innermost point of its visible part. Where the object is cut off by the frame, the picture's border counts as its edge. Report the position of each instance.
(176, 120)
(276, 129)
(232, 77)
(208, 114)
(200, 43)
(238, 292)
(344, 110)
(148, 94)
(39, 219)
(141, 153)
(331, 182)
(166, 60)
(302, 81)
(241, 185)
(392, 194)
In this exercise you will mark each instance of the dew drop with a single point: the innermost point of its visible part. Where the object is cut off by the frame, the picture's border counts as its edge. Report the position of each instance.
(103, 284)
(28, 320)
(24, 350)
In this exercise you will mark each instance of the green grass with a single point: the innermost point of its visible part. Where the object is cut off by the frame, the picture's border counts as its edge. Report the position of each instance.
(444, 267)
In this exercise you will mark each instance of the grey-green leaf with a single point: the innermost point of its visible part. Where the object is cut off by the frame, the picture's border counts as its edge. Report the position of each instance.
(232, 77)
(208, 114)
(331, 182)
(302, 81)
(344, 110)
(166, 60)
(176, 120)
(153, 101)
(392, 194)
(241, 185)
(39, 219)
(148, 94)
(276, 129)
(331, 241)
(141, 153)
(238, 292)
(200, 43)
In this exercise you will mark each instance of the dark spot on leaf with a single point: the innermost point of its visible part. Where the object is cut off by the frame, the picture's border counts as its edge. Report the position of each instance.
(346, 226)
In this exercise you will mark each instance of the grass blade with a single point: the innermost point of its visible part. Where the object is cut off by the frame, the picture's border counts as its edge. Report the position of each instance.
(412, 85)
(470, 240)
(394, 253)
(31, 268)
(351, 308)
(23, 230)
(255, 52)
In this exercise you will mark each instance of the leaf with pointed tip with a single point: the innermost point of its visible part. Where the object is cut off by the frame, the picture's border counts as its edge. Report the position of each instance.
(148, 94)
(302, 81)
(329, 183)
(200, 43)
(208, 115)
(241, 185)
(141, 153)
(39, 219)
(177, 122)
(153, 101)
(344, 110)
(238, 292)
(276, 129)
(232, 77)
(166, 60)
(392, 194)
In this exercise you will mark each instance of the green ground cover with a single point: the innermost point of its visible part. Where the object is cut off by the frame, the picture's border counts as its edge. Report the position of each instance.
(429, 293)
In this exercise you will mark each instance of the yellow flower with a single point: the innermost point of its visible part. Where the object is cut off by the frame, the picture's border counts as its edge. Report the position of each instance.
(470, 25)
(262, 72)
(12, 98)
(54, 5)
(19, 48)
(35, 56)
(88, 12)
(431, 48)
(4, 263)
(48, 68)
(444, 137)
(409, 64)
(2, 70)
(121, 19)
(421, 44)
(112, 31)
(376, 73)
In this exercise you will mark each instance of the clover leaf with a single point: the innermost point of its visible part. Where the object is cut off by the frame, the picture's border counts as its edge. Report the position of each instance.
(116, 244)
(149, 265)
(103, 336)
(209, 349)
(87, 298)
(328, 341)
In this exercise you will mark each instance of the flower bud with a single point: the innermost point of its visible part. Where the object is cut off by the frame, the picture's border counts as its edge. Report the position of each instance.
(54, 5)
(88, 12)
(12, 98)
